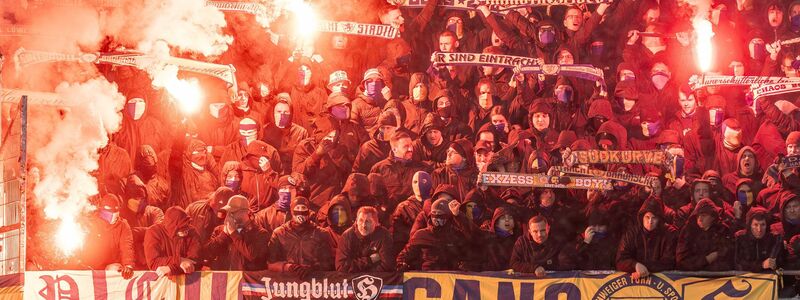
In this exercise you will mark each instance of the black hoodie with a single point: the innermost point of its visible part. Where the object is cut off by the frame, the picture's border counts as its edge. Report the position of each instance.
(654, 249)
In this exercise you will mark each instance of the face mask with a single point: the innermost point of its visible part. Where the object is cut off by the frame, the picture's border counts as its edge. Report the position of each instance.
(485, 101)
(564, 95)
(630, 76)
(136, 205)
(247, 130)
(475, 213)
(600, 234)
(284, 199)
(419, 93)
(282, 120)
(454, 28)
(136, 108)
(216, 109)
(300, 217)
(660, 80)
(795, 23)
(109, 217)
(715, 116)
(650, 129)
(304, 76)
(422, 184)
(444, 112)
(373, 89)
(438, 222)
(746, 198)
(501, 232)
(597, 50)
(338, 217)
(233, 184)
(340, 112)
(500, 127)
(546, 36)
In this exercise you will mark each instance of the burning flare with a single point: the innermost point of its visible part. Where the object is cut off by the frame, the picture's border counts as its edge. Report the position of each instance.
(305, 21)
(703, 48)
(69, 236)
(187, 93)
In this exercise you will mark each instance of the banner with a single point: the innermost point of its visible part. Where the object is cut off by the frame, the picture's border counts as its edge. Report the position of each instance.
(323, 285)
(654, 157)
(353, 28)
(775, 89)
(543, 181)
(576, 285)
(11, 286)
(701, 81)
(484, 59)
(618, 176)
(791, 161)
(494, 5)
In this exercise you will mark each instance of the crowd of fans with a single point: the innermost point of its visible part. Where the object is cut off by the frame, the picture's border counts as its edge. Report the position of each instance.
(363, 156)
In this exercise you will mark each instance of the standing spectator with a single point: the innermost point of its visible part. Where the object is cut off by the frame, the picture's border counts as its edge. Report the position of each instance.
(300, 246)
(238, 244)
(172, 247)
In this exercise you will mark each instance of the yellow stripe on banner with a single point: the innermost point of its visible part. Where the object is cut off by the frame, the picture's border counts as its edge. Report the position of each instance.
(11, 293)
(234, 279)
(205, 285)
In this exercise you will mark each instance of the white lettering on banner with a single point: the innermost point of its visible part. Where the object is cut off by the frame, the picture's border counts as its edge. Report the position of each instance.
(353, 28)
(305, 290)
(539, 180)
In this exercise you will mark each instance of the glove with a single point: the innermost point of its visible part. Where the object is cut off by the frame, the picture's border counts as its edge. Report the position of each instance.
(127, 272)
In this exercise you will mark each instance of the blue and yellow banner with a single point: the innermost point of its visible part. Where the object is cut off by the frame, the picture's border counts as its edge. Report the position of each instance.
(577, 285)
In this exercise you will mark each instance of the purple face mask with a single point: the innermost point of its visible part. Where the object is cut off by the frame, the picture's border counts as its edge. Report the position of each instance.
(715, 116)
(373, 89)
(660, 80)
(651, 128)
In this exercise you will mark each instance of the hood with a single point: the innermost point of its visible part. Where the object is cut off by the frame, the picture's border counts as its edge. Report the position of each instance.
(145, 156)
(259, 148)
(765, 15)
(488, 127)
(557, 27)
(601, 107)
(227, 168)
(705, 205)
(446, 189)
(500, 211)
(393, 106)
(784, 197)
(377, 187)
(757, 211)
(431, 122)
(565, 47)
(176, 219)
(465, 148)
(419, 78)
(134, 188)
(757, 169)
(771, 141)
(357, 185)
(618, 131)
(193, 144)
(474, 196)
(340, 200)
(652, 205)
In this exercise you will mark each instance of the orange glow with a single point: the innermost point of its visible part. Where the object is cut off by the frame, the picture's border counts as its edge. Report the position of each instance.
(69, 236)
(703, 48)
(187, 93)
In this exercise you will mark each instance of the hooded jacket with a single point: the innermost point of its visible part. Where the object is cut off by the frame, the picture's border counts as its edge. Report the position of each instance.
(114, 164)
(371, 153)
(147, 167)
(402, 220)
(751, 252)
(694, 243)
(784, 227)
(498, 248)
(307, 104)
(285, 140)
(397, 176)
(423, 150)
(257, 184)
(337, 226)
(435, 249)
(147, 130)
(464, 179)
(204, 217)
(354, 251)
(111, 243)
(654, 249)
(730, 179)
(596, 255)
(192, 184)
(162, 245)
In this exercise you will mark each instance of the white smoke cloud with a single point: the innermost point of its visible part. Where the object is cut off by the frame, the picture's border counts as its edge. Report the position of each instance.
(70, 155)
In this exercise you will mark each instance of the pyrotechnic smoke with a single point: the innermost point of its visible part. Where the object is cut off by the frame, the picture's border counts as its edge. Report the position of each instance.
(67, 152)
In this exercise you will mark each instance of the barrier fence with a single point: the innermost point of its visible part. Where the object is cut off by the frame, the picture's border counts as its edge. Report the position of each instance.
(368, 286)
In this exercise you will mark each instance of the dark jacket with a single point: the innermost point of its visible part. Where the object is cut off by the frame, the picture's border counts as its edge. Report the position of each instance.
(402, 220)
(498, 248)
(751, 252)
(434, 249)
(147, 166)
(285, 140)
(354, 250)
(528, 255)
(464, 179)
(304, 244)
(163, 247)
(655, 250)
(397, 176)
(695, 243)
(239, 251)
